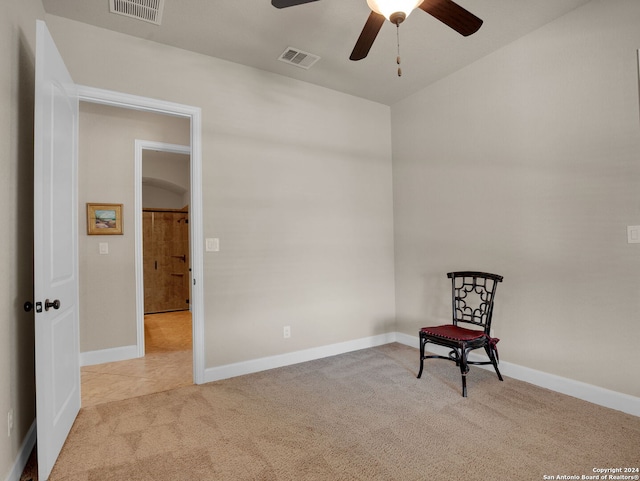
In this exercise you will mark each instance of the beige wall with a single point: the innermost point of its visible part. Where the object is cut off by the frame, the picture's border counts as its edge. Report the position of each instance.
(527, 164)
(166, 181)
(296, 184)
(17, 78)
(106, 175)
(162, 198)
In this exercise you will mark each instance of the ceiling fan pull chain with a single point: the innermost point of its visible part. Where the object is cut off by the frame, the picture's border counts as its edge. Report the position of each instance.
(398, 57)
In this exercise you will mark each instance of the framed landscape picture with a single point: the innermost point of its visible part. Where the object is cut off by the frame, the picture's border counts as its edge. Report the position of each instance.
(104, 219)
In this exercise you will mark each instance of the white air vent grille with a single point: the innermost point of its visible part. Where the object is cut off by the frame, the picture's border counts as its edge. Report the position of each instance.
(145, 10)
(297, 57)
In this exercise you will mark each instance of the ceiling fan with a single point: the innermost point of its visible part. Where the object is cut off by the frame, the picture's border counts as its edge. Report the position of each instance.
(396, 11)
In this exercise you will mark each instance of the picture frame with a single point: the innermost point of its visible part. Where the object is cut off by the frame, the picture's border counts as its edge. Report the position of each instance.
(104, 219)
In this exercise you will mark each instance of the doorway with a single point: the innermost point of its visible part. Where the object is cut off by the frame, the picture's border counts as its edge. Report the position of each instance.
(166, 190)
(161, 225)
(193, 196)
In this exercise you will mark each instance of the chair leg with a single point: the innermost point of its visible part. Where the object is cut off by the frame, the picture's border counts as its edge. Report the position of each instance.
(492, 356)
(422, 343)
(464, 369)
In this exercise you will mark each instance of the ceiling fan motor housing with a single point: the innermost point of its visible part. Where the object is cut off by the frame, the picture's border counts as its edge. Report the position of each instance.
(397, 17)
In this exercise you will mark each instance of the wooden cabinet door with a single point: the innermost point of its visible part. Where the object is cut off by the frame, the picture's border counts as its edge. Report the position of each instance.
(166, 261)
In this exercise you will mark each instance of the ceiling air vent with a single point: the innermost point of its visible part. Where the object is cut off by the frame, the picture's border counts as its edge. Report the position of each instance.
(145, 10)
(297, 57)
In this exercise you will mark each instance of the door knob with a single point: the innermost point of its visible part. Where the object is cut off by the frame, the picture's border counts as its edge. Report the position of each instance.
(28, 306)
(55, 304)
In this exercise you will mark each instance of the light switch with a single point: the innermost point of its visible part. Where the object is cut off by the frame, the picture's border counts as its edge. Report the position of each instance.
(212, 244)
(103, 247)
(633, 234)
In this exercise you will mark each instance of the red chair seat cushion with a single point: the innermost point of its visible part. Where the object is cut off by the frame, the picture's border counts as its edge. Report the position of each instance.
(455, 333)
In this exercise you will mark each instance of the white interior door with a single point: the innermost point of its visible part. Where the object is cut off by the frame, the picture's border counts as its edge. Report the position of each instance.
(55, 252)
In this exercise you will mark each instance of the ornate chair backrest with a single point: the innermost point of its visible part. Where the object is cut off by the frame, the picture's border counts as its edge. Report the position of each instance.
(472, 296)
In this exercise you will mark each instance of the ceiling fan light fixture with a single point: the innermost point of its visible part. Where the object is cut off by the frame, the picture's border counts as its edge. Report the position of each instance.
(394, 10)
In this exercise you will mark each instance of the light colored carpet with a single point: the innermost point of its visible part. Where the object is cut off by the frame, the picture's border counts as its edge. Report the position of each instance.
(356, 416)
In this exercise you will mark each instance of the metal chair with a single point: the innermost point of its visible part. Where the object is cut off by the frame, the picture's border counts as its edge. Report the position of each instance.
(472, 295)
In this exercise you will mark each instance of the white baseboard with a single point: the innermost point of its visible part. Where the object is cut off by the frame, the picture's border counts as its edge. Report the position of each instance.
(124, 353)
(23, 455)
(408, 340)
(581, 390)
(281, 360)
(587, 392)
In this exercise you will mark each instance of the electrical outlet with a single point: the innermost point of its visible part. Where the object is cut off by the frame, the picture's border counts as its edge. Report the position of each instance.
(286, 332)
(9, 422)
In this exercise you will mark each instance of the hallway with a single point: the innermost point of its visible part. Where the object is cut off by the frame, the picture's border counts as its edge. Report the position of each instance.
(167, 364)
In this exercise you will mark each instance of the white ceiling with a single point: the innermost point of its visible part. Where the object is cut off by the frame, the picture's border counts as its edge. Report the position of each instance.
(254, 33)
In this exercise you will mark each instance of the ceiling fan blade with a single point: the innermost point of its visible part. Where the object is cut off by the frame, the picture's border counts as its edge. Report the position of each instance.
(453, 15)
(289, 3)
(367, 36)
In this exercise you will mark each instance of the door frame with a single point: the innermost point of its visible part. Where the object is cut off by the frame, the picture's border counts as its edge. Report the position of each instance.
(134, 102)
(140, 146)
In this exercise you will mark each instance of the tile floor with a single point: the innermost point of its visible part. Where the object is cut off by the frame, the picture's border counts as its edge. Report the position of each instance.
(167, 364)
